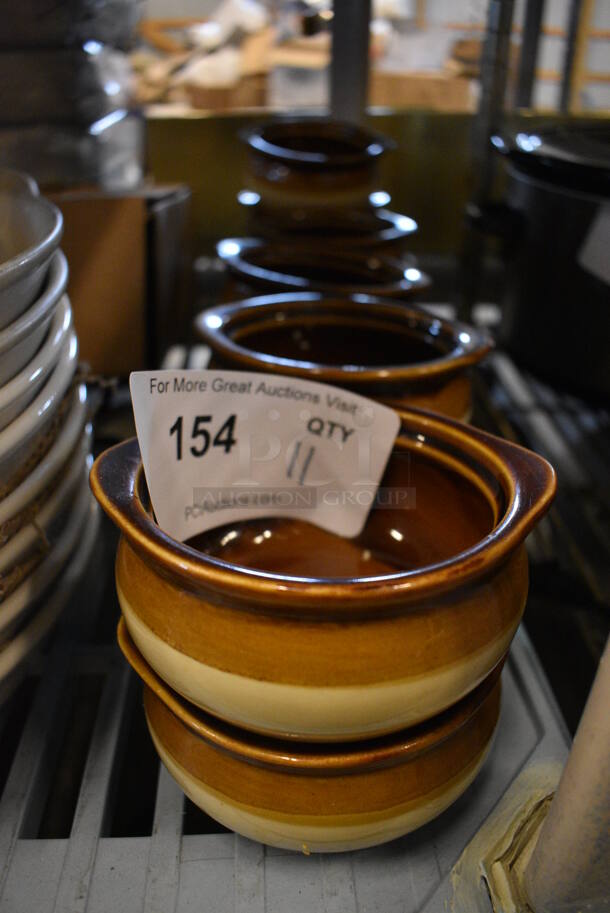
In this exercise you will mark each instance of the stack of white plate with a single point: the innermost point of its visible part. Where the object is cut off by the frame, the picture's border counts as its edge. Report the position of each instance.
(46, 512)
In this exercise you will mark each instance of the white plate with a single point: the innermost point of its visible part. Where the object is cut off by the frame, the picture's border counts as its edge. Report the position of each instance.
(21, 390)
(30, 590)
(19, 440)
(16, 651)
(30, 230)
(48, 523)
(42, 474)
(21, 338)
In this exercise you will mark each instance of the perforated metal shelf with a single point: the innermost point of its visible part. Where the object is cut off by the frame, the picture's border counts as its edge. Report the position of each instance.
(167, 869)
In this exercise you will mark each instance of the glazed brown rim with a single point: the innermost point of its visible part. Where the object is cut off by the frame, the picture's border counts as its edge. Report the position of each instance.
(368, 145)
(528, 482)
(230, 251)
(307, 757)
(465, 351)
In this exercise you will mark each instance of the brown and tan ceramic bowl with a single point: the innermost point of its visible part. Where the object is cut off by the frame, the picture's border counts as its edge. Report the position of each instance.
(311, 797)
(389, 352)
(281, 627)
(352, 228)
(313, 161)
(273, 266)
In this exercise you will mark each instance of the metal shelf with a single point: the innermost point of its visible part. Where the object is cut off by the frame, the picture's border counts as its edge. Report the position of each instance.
(168, 870)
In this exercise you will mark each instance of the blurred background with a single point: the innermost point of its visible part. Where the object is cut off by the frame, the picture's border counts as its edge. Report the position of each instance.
(424, 53)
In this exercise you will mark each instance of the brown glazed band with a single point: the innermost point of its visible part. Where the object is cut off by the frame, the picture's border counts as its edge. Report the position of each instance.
(289, 180)
(271, 265)
(304, 794)
(313, 758)
(328, 650)
(369, 228)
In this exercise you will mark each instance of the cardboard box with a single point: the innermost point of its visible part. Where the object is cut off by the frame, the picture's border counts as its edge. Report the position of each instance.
(435, 91)
(123, 274)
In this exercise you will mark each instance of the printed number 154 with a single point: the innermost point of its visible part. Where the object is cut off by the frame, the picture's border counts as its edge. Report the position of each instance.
(201, 435)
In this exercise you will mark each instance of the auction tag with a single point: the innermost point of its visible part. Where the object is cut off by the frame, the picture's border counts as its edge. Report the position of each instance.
(219, 446)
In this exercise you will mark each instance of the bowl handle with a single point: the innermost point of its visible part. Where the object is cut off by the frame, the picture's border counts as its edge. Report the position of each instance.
(113, 479)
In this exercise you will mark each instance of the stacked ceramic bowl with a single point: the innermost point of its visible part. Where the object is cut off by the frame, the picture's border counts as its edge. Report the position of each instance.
(312, 691)
(318, 218)
(44, 437)
(322, 693)
(389, 351)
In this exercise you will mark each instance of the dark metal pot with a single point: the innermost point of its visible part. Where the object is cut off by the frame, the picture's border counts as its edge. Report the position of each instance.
(556, 316)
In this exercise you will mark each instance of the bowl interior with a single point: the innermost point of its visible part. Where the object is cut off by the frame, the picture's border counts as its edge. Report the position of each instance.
(318, 268)
(342, 339)
(429, 509)
(317, 141)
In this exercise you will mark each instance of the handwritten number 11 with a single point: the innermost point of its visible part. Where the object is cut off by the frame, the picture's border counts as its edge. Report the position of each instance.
(304, 466)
